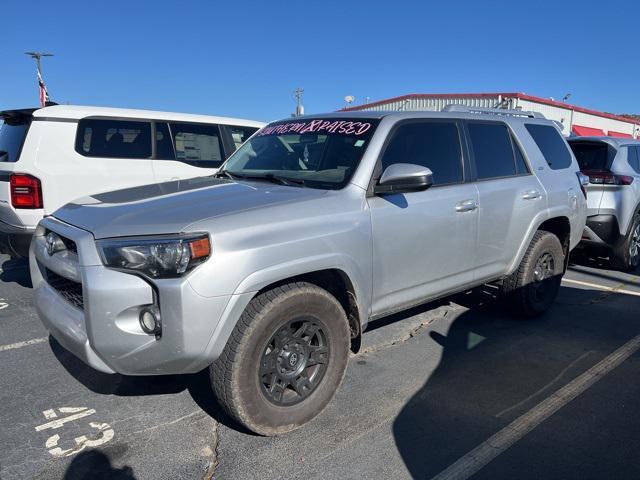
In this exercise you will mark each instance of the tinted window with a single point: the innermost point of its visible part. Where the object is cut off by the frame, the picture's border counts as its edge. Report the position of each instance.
(11, 139)
(198, 144)
(552, 145)
(164, 145)
(492, 150)
(114, 138)
(634, 158)
(430, 144)
(240, 134)
(592, 155)
(521, 165)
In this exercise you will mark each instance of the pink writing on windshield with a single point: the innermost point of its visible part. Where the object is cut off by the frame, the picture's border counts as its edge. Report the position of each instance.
(343, 127)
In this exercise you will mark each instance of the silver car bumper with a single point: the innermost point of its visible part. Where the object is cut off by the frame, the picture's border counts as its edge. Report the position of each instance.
(94, 311)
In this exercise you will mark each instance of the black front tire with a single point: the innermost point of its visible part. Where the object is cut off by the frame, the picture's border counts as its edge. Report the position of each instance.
(532, 289)
(625, 256)
(248, 377)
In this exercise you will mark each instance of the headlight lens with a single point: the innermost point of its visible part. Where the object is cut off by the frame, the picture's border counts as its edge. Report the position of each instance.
(156, 257)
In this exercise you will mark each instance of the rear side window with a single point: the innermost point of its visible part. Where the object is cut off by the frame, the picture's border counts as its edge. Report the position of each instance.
(551, 144)
(113, 138)
(241, 134)
(164, 145)
(494, 152)
(634, 158)
(11, 139)
(435, 145)
(198, 144)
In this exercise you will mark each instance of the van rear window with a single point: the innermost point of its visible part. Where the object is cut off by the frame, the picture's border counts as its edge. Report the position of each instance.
(113, 138)
(12, 137)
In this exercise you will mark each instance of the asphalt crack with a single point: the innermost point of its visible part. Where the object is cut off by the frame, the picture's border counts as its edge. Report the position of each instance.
(212, 453)
(432, 316)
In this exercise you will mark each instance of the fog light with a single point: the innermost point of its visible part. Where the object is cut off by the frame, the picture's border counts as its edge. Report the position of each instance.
(150, 320)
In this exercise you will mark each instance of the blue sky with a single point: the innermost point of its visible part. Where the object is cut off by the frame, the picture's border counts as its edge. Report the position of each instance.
(244, 58)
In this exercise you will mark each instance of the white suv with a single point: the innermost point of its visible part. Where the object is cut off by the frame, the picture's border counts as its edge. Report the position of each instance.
(52, 155)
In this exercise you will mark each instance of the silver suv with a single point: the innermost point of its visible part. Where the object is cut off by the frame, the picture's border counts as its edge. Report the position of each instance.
(269, 271)
(613, 205)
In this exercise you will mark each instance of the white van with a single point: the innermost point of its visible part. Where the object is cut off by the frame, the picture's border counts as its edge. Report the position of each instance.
(52, 155)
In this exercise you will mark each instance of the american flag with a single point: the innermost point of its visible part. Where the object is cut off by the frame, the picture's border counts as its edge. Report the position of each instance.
(44, 95)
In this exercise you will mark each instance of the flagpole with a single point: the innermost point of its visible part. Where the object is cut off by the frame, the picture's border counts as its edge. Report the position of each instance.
(37, 56)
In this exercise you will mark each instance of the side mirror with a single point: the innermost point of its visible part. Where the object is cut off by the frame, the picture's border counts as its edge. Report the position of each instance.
(404, 178)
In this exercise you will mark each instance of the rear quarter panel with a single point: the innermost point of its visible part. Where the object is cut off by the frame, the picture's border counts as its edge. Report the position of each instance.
(622, 200)
(563, 195)
(67, 175)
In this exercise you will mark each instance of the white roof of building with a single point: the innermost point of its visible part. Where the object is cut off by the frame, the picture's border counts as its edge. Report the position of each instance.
(76, 112)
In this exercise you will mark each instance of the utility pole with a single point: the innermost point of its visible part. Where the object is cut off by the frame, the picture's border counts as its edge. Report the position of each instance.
(37, 56)
(299, 107)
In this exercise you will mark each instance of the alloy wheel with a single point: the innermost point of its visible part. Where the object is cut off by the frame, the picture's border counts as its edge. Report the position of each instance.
(294, 361)
(542, 273)
(634, 244)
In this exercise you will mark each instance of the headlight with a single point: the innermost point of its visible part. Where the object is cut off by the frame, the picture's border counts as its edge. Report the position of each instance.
(156, 257)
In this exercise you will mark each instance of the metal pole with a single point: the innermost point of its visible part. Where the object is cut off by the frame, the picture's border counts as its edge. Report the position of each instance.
(37, 56)
(298, 94)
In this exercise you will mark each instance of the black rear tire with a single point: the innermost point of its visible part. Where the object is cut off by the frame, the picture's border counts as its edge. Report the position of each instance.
(534, 286)
(284, 360)
(625, 256)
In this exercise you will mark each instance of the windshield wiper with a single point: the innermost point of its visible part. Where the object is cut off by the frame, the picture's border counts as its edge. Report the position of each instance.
(281, 180)
(224, 173)
(270, 177)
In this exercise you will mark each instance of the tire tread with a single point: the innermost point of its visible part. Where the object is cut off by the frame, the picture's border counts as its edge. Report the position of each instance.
(222, 372)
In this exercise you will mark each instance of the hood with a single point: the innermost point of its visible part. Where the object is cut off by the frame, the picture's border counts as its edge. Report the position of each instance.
(171, 207)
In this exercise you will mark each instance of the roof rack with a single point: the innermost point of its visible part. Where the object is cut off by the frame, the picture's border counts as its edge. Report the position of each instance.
(491, 111)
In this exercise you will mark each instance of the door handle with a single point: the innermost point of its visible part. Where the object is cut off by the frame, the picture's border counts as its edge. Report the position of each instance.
(531, 195)
(466, 206)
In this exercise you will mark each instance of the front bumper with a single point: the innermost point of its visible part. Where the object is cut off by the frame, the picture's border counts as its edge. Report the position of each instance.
(102, 328)
(14, 240)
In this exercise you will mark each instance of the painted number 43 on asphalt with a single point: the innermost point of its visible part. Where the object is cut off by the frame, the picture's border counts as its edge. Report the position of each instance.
(100, 433)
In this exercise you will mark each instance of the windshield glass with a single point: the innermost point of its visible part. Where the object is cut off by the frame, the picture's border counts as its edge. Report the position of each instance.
(11, 139)
(317, 153)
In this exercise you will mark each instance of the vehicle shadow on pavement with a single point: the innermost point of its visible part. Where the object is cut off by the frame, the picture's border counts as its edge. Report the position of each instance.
(196, 384)
(16, 271)
(95, 465)
(593, 258)
(494, 368)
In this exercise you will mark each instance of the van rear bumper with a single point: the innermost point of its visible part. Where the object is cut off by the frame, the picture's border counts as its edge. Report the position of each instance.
(14, 240)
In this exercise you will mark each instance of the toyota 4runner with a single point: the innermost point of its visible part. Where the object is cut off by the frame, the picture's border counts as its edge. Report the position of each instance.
(269, 271)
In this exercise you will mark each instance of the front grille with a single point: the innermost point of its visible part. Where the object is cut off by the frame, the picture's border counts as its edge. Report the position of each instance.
(69, 290)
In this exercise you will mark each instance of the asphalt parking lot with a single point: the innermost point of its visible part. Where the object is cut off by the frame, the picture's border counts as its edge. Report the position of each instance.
(450, 390)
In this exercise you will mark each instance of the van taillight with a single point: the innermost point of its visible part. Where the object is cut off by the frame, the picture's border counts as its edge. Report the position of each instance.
(26, 191)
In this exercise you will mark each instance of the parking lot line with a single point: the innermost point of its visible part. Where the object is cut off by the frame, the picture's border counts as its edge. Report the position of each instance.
(33, 341)
(602, 287)
(480, 456)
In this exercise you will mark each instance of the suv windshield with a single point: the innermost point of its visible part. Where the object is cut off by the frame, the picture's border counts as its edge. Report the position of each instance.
(318, 153)
(11, 139)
